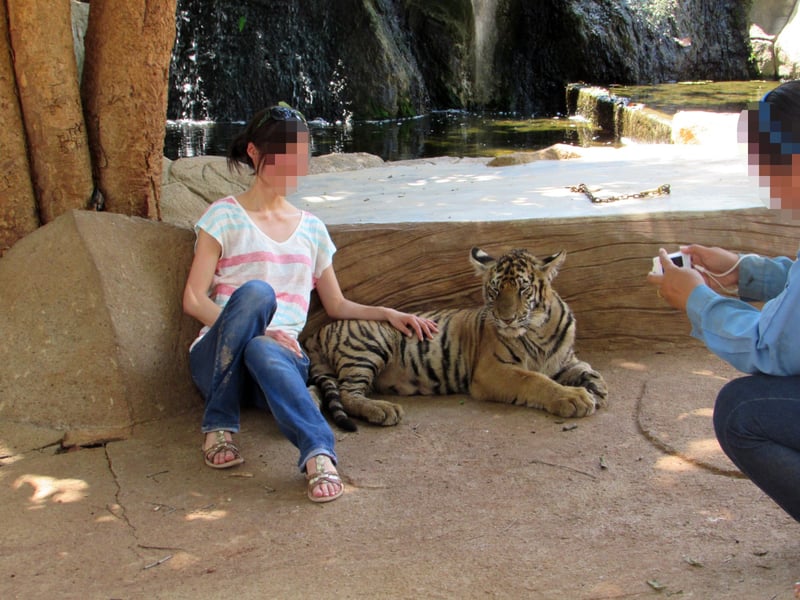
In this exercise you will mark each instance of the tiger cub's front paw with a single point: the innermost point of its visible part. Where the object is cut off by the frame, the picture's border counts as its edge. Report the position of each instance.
(575, 402)
(383, 412)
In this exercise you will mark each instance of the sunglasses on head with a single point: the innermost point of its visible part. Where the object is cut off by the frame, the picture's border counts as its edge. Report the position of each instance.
(281, 113)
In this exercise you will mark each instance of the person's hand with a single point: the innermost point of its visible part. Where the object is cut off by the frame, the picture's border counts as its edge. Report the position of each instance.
(716, 261)
(409, 325)
(676, 283)
(285, 340)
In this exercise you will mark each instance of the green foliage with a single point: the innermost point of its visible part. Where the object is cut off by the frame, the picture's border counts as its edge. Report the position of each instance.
(376, 111)
(405, 108)
(241, 23)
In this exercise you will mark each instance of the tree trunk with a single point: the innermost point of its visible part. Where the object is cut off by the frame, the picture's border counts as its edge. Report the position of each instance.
(125, 78)
(47, 82)
(17, 202)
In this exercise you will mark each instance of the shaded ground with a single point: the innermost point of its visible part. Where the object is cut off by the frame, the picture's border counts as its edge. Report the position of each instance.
(461, 500)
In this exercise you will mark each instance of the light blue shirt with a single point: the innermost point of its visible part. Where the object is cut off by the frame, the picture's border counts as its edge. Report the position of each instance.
(752, 340)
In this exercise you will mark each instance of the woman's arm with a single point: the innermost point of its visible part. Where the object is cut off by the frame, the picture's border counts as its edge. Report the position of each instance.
(339, 307)
(196, 302)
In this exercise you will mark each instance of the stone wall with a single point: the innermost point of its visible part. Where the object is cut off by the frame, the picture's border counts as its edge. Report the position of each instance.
(503, 54)
(395, 58)
(95, 341)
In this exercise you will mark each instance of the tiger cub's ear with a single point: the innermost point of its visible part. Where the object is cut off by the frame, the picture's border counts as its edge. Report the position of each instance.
(480, 260)
(552, 263)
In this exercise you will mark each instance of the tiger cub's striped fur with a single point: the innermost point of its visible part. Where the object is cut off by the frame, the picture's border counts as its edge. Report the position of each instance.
(517, 348)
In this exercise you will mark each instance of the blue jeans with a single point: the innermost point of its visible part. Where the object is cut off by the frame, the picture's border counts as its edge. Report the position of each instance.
(757, 422)
(234, 363)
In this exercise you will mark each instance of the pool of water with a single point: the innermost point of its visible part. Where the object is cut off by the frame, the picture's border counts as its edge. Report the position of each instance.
(459, 133)
(712, 96)
(441, 133)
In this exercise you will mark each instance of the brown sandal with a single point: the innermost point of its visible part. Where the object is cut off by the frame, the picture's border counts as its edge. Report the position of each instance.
(323, 476)
(222, 445)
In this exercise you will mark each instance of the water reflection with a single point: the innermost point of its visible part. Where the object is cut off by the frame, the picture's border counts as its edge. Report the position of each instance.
(459, 133)
(444, 133)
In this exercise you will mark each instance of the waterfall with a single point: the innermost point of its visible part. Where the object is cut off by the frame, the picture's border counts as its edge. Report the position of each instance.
(390, 58)
(485, 12)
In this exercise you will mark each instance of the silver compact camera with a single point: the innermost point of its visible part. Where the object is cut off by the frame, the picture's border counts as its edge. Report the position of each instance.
(678, 259)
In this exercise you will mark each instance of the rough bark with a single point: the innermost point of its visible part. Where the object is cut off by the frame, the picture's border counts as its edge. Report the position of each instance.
(49, 96)
(128, 48)
(17, 202)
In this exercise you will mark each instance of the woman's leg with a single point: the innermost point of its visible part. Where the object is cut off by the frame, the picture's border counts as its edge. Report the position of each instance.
(217, 360)
(281, 375)
(757, 422)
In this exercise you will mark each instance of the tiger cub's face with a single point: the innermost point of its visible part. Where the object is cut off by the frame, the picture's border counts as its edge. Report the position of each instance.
(516, 288)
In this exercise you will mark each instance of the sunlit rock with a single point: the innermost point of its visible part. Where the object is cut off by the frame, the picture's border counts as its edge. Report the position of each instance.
(94, 336)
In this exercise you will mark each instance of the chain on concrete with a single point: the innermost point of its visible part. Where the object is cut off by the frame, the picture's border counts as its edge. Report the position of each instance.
(659, 191)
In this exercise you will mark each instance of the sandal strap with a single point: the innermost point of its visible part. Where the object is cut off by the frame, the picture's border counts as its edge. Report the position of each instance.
(222, 445)
(324, 477)
(321, 475)
(217, 448)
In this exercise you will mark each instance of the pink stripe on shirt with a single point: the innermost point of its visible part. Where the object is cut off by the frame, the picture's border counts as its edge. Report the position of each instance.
(227, 290)
(293, 299)
(263, 257)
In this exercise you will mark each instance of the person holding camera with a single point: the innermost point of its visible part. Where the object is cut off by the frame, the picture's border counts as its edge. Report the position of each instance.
(757, 417)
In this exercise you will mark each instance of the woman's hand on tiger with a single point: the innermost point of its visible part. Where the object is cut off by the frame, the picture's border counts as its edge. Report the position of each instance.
(409, 325)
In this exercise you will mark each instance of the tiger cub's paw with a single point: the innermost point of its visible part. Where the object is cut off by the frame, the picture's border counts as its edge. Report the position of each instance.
(575, 402)
(383, 412)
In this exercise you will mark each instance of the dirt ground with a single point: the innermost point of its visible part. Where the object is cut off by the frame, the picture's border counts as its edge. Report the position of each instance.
(461, 500)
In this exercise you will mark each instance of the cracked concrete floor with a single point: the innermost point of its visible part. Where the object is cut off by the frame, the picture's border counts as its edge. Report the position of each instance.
(462, 499)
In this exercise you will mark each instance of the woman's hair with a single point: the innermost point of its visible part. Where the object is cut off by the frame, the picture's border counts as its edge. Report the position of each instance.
(774, 125)
(271, 130)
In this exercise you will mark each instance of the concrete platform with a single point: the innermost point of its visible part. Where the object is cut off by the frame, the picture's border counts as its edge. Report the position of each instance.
(702, 177)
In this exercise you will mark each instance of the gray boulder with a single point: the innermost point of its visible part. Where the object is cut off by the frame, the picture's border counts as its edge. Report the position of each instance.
(191, 184)
(787, 47)
(94, 336)
(775, 38)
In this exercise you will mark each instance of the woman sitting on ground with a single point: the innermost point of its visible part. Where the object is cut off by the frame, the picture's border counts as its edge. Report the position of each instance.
(257, 258)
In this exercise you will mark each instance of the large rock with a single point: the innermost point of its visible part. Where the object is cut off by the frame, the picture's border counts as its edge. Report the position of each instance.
(94, 336)
(787, 47)
(191, 184)
(382, 59)
(775, 38)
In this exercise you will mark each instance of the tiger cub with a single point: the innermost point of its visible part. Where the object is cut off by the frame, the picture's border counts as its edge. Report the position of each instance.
(517, 348)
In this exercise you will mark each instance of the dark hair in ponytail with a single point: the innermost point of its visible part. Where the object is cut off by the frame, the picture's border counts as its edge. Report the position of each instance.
(270, 131)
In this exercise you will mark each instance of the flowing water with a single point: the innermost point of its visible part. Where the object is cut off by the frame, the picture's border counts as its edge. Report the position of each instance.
(458, 133)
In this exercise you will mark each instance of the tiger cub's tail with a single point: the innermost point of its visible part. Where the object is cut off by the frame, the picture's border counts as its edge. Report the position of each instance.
(332, 400)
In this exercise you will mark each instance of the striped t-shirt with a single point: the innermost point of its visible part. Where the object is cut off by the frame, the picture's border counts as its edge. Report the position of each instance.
(291, 267)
